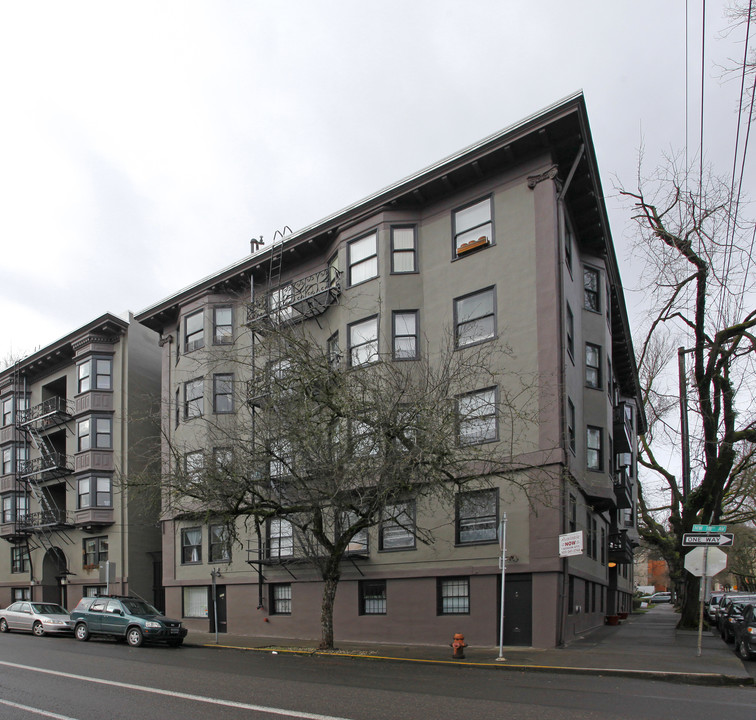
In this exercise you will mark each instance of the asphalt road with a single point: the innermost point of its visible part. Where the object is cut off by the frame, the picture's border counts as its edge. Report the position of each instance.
(69, 680)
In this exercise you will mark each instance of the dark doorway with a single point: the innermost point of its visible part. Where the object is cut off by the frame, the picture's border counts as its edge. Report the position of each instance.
(54, 576)
(518, 609)
(220, 609)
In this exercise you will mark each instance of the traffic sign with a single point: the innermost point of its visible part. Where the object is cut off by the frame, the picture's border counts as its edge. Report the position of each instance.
(709, 528)
(704, 559)
(720, 539)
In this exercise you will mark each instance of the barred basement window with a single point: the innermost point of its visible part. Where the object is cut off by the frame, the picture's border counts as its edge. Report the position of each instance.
(454, 596)
(372, 597)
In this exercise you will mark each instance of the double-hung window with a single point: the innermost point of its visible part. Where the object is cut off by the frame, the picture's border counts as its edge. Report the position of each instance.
(223, 393)
(333, 351)
(594, 455)
(219, 545)
(476, 413)
(194, 331)
(473, 227)
(405, 335)
(397, 531)
(363, 259)
(570, 332)
(280, 539)
(593, 365)
(15, 507)
(477, 516)
(95, 550)
(19, 559)
(280, 599)
(453, 596)
(403, 250)
(193, 398)
(475, 317)
(591, 289)
(372, 597)
(95, 374)
(571, 425)
(7, 411)
(95, 433)
(363, 342)
(7, 460)
(94, 491)
(223, 326)
(194, 463)
(191, 546)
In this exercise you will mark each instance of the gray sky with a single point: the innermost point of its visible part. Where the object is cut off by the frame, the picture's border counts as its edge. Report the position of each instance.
(143, 144)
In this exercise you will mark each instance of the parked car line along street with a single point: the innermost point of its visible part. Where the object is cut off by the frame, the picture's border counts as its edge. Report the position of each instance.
(39, 618)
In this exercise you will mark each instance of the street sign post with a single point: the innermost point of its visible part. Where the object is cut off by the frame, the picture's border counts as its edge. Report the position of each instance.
(716, 540)
(704, 562)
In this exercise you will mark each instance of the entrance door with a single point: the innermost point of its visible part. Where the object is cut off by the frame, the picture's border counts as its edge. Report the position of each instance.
(54, 574)
(220, 609)
(518, 610)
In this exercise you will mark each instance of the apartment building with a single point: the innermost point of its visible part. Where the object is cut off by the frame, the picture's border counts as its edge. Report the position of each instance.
(506, 239)
(75, 424)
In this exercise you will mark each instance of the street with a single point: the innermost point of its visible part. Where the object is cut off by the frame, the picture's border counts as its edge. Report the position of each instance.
(62, 678)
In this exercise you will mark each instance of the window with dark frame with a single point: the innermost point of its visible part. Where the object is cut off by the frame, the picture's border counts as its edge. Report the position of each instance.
(473, 227)
(403, 250)
(219, 546)
(571, 426)
(572, 514)
(333, 351)
(94, 433)
(453, 595)
(191, 546)
(95, 551)
(194, 464)
(280, 539)
(194, 331)
(476, 414)
(591, 289)
(280, 599)
(594, 455)
(593, 366)
(95, 491)
(568, 241)
(223, 326)
(363, 259)
(405, 334)
(95, 374)
(223, 393)
(7, 411)
(477, 516)
(475, 317)
(570, 333)
(397, 529)
(372, 594)
(193, 399)
(19, 559)
(363, 342)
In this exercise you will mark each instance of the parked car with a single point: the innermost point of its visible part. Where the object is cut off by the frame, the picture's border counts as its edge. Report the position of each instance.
(126, 618)
(39, 618)
(728, 597)
(710, 607)
(731, 615)
(745, 633)
(657, 597)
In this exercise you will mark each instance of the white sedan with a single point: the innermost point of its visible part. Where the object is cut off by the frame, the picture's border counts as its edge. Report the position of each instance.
(39, 618)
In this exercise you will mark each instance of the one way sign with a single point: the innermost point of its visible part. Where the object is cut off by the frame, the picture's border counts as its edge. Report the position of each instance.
(695, 540)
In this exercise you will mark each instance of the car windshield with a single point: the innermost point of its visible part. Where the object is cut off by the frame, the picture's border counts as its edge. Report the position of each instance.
(48, 609)
(139, 607)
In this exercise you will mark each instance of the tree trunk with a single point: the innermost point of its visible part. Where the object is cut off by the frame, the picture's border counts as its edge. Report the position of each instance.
(330, 583)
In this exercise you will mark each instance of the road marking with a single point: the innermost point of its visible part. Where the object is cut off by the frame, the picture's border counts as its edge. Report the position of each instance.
(36, 711)
(172, 693)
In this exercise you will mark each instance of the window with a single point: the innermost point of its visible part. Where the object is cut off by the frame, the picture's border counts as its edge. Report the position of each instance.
(372, 597)
(220, 546)
(405, 335)
(223, 328)
(333, 351)
(592, 365)
(280, 539)
(477, 417)
(95, 433)
(359, 542)
(19, 594)
(592, 534)
(7, 460)
(223, 393)
(475, 318)
(572, 514)
(397, 531)
(591, 279)
(570, 332)
(594, 456)
(477, 516)
(568, 240)
(15, 507)
(363, 342)
(403, 250)
(191, 545)
(365, 438)
(178, 407)
(453, 596)
(19, 559)
(95, 374)
(602, 545)
(194, 464)
(195, 601)
(281, 307)
(194, 331)
(280, 599)
(363, 259)
(571, 425)
(473, 227)
(7, 411)
(95, 551)
(193, 400)
(223, 459)
(94, 492)
(281, 458)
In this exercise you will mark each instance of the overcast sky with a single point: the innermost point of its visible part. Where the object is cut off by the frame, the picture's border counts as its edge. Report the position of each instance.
(143, 144)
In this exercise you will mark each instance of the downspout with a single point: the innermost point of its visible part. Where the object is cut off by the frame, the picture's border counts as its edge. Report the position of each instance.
(125, 530)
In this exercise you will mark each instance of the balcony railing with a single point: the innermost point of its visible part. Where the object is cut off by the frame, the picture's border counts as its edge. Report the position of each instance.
(297, 300)
(51, 518)
(623, 489)
(620, 548)
(623, 428)
(50, 465)
(51, 412)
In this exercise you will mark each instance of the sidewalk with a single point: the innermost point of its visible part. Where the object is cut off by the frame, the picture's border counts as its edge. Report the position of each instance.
(646, 645)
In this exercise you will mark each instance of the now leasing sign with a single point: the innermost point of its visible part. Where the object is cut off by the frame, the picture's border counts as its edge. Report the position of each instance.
(571, 544)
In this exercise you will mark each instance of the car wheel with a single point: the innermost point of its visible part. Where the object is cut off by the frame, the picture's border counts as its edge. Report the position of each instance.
(81, 631)
(743, 650)
(4, 625)
(38, 629)
(134, 637)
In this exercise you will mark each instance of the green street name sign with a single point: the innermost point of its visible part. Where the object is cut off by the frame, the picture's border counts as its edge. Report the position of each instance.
(710, 528)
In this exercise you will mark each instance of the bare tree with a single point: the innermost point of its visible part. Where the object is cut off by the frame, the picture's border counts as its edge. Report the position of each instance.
(699, 272)
(326, 447)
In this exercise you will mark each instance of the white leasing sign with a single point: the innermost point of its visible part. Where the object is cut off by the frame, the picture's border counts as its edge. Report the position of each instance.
(571, 544)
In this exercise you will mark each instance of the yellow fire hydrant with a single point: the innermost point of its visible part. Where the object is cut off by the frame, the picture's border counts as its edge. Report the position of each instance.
(458, 646)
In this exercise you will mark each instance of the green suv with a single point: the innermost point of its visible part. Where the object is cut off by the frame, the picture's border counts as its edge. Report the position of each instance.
(127, 618)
